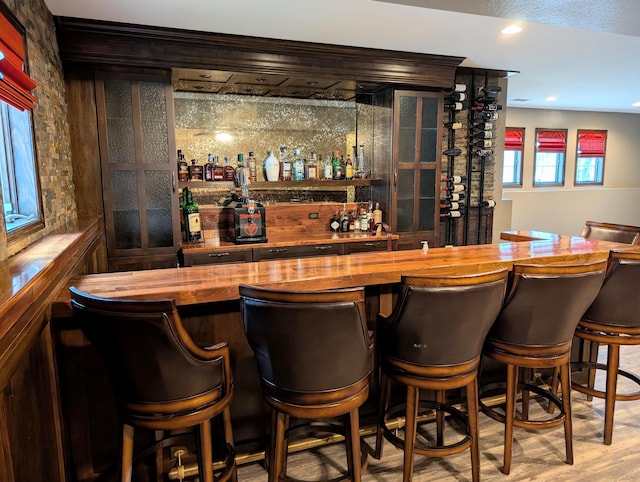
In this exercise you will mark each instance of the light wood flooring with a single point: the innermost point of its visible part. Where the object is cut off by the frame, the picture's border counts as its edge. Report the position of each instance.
(537, 455)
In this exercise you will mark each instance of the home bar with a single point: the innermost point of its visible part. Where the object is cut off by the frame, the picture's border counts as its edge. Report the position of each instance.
(195, 188)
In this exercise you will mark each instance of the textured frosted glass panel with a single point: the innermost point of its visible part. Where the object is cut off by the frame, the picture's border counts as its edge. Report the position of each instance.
(155, 139)
(429, 113)
(124, 190)
(429, 142)
(127, 229)
(405, 200)
(427, 199)
(158, 193)
(407, 129)
(119, 121)
(126, 215)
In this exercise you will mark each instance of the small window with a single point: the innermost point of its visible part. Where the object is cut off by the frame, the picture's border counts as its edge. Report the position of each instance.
(513, 154)
(590, 153)
(549, 161)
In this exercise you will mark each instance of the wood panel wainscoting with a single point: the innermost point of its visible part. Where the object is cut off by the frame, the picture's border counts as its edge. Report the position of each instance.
(207, 299)
(31, 433)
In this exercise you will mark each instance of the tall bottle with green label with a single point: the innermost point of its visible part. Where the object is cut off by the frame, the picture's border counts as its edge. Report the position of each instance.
(191, 214)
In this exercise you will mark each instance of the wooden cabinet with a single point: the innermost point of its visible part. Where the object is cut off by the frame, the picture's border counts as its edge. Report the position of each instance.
(282, 252)
(216, 257)
(137, 146)
(417, 121)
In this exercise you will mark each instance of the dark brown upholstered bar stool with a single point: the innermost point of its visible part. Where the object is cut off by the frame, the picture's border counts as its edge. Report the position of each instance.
(614, 320)
(433, 340)
(161, 379)
(314, 356)
(535, 330)
(619, 233)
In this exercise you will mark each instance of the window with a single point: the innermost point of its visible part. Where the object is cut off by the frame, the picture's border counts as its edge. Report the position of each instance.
(18, 168)
(513, 153)
(548, 164)
(591, 148)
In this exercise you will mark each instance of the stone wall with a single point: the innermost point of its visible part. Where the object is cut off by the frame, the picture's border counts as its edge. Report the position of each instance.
(50, 124)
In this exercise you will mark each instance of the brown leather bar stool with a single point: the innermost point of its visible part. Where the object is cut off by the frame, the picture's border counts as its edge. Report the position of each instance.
(161, 379)
(613, 320)
(535, 330)
(433, 340)
(314, 356)
(619, 233)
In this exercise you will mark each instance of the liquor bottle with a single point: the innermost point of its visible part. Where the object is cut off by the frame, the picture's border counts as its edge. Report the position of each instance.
(483, 152)
(253, 170)
(208, 168)
(456, 97)
(298, 166)
(489, 90)
(183, 167)
(348, 168)
(452, 152)
(196, 172)
(311, 168)
(483, 135)
(183, 202)
(372, 224)
(487, 116)
(344, 219)
(453, 125)
(364, 219)
(218, 169)
(352, 221)
(451, 214)
(377, 214)
(334, 223)
(285, 165)
(489, 203)
(228, 172)
(271, 167)
(243, 176)
(485, 126)
(454, 105)
(453, 179)
(328, 168)
(191, 218)
(454, 188)
(458, 88)
(361, 167)
(337, 166)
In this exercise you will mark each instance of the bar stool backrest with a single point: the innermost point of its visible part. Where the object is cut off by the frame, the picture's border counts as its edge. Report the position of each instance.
(545, 303)
(443, 320)
(147, 353)
(618, 233)
(307, 341)
(618, 302)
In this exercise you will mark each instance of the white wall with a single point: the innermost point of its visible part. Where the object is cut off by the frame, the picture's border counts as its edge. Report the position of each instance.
(565, 209)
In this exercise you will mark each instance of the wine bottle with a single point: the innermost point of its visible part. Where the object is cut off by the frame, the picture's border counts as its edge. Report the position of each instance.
(489, 90)
(451, 205)
(485, 99)
(483, 135)
(453, 125)
(455, 196)
(456, 97)
(483, 152)
(454, 105)
(483, 143)
(452, 152)
(453, 179)
(485, 126)
(454, 188)
(487, 107)
(451, 214)
(489, 203)
(458, 88)
(483, 115)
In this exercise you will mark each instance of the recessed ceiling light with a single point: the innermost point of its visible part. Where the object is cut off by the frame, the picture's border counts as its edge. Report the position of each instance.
(636, 104)
(551, 98)
(511, 29)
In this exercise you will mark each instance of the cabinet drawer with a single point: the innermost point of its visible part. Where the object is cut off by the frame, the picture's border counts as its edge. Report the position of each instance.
(216, 257)
(364, 246)
(282, 252)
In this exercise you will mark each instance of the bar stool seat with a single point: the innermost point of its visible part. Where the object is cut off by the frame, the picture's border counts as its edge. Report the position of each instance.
(612, 320)
(314, 356)
(161, 379)
(534, 330)
(432, 341)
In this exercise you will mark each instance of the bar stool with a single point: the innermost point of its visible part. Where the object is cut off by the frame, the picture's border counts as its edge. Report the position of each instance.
(613, 320)
(535, 330)
(314, 356)
(433, 340)
(161, 379)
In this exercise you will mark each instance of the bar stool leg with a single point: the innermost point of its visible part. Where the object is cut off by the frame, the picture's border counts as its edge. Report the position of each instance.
(472, 414)
(278, 447)
(440, 399)
(509, 414)
(410, 432)
(383, 403)
(527, 376)
(205, 460)
(127, 453)
(565, 382)
(613, 363)
(591, 373)
(352, 442)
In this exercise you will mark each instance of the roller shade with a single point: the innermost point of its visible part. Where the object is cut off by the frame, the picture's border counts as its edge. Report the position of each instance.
(592, 143)
(514, 139)
(552, 141)
(15, 84)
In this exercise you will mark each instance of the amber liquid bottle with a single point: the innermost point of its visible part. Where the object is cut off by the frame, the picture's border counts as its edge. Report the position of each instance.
(229, 173)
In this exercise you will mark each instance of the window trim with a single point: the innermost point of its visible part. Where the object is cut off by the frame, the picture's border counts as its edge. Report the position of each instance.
(521, 150)
(563, 171)
(604, 156)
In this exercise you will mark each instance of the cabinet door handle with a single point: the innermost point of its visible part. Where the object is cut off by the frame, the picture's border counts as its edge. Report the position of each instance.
(323, 248)
(372, 245)
(278, 250)
(219, 255)
(173, 181)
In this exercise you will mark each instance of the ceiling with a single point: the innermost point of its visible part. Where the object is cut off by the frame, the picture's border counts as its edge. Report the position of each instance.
(585, 54)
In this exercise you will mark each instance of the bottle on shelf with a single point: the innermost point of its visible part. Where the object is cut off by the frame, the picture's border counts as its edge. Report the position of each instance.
(485, 99)
(489, 90)
(344, 219)
(311, 167)
(458, 88)
(196, 171)
(338, 172)
(285, 165)
(352, 221)
(298, 166)
(348, 168)
(218, 169)
(271, 167)
(191, 214)
(482, 143)
(208, 168)
(183, 167)
(453, 125)
(361, 168)
(453, 179)
(328, 168)
(485, 126)
(483, 152)
(483, 135)
(228, 173)
(451, 205)
(455, 196)
(487, 107)
(334, 223)
(243, 173)
(451, 214)
(364, 219)
(253, 170)
(454, 106)
(489, 203)
(452, 152)
(456, 97)
(454, 188)
(486, 116)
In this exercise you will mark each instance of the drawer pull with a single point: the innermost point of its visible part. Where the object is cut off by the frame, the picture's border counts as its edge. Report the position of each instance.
(324, 248)
(219, 255)
(278, 250)
(372, 245)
